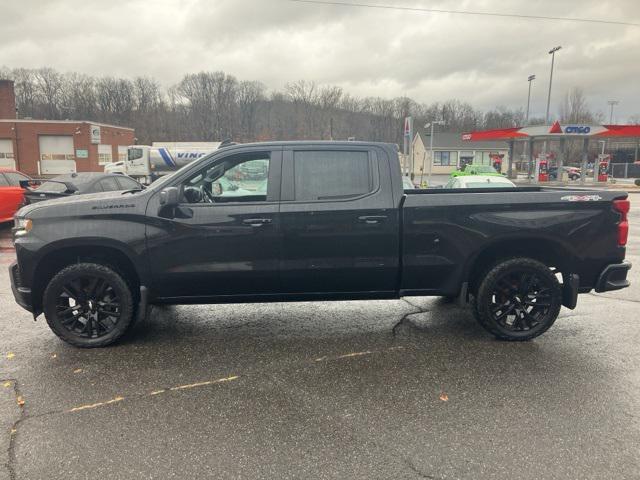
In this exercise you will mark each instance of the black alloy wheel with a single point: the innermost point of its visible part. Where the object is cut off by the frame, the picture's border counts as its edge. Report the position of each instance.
(518, 299)
(88, 305)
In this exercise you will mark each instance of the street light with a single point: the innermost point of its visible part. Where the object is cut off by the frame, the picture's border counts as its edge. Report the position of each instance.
(612, 103)
(552, 52)
(530, 79)
(431, 125)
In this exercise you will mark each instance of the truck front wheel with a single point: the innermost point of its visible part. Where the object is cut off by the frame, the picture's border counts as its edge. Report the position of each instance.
(88, 305)
(518, 299)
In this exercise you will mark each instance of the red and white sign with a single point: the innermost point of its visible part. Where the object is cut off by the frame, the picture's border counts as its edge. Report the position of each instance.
(555, 130)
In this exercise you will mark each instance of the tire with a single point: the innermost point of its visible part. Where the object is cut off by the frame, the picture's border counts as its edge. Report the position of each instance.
(88, 305)
(519, 299)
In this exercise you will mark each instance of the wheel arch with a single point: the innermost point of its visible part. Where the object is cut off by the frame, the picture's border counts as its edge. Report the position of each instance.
(110, 253)
(551, 252)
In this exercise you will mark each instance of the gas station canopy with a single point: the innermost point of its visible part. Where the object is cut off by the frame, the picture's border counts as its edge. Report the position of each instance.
(546, 132)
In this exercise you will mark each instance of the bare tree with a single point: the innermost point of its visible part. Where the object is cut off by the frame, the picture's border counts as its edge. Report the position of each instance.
(215, 106)
(78, 96)
(304, 97)
(49, 86)
(25, 88)
(574, 107)
(250, 96)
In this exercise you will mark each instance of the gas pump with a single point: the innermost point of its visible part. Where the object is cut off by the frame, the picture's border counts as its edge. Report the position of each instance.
(603, 167)
(542, 168)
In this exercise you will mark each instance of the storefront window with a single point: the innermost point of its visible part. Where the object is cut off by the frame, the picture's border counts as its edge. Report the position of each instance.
(445, 159)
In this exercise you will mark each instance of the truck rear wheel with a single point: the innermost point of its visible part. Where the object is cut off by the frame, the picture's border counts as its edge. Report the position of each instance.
(88, 305)
(518, 299)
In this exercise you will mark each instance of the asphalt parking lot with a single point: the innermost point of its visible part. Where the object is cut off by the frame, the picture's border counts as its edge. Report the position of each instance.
(381, 389)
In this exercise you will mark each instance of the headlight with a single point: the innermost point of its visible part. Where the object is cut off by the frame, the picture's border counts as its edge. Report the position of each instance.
(22, 226)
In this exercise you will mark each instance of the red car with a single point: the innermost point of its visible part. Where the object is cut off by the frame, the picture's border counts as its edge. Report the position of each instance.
(11, 193)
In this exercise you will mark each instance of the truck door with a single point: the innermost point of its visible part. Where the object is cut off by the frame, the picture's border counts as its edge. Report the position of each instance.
(340, 228)
(224, 238)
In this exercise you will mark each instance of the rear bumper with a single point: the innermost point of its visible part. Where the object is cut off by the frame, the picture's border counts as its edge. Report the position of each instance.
(613, 277)
(20, 293)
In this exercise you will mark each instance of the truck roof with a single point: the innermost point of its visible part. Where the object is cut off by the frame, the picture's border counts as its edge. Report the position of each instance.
(213, 145)
(341, 143)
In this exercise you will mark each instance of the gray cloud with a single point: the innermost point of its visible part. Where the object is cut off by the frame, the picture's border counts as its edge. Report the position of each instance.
(430, 57)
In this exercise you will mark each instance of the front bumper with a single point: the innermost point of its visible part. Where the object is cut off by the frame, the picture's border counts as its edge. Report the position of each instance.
(20, 293)
(613, 277)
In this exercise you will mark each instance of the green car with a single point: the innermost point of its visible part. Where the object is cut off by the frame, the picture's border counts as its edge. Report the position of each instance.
(477, 170)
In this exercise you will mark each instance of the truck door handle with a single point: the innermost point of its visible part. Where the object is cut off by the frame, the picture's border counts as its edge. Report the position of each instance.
(256, 222)
(372, 219)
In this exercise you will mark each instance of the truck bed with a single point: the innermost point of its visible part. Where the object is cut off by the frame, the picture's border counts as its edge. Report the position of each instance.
(443, 230)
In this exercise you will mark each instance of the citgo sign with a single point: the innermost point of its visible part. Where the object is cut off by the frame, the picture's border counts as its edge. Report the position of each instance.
(583, 130)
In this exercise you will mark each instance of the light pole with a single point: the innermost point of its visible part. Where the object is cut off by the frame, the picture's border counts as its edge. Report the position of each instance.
(552, 52)
(530, 79)
(612, 103)
(431, 125)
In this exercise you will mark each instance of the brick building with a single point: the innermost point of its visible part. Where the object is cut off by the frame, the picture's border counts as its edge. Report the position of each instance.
(42, 148)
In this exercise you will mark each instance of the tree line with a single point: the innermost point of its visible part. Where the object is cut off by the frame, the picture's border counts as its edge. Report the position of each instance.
(213, 106)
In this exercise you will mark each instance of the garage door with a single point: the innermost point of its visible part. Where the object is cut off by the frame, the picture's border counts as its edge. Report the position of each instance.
(6, 154)
(56, 154)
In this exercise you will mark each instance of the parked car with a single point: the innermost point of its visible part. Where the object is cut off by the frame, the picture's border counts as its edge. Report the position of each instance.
(79, 183)
(11, 193)
(480, 181)
(472, 169)
(256, 170)
(572, 172)
(334, 223)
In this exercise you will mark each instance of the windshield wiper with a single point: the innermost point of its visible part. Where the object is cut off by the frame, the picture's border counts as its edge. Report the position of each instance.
(133, 190)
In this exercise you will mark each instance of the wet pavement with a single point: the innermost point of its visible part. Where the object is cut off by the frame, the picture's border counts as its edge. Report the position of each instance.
(380, 389)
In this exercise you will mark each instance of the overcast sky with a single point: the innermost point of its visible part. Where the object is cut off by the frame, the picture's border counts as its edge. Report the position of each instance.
(427, 56)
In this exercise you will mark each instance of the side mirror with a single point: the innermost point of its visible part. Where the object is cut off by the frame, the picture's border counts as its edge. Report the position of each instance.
(169, 197)
(216, 188)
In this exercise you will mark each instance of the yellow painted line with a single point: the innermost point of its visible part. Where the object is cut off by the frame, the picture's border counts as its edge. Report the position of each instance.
(358, 354)
(96, 405)
(155, 392)
(354, 354)
(202, 384)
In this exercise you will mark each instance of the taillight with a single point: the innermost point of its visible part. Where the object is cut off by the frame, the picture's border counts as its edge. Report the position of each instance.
(622, 207)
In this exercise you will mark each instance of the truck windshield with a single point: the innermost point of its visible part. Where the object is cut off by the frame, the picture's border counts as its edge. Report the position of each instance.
(134, 153)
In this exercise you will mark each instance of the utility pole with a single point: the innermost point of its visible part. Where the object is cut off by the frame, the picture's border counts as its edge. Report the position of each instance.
(612, 103)
(552, 52)
(530, 79)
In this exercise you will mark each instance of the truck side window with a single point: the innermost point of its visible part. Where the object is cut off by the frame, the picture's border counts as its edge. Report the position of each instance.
(331, 175)
(243, 178)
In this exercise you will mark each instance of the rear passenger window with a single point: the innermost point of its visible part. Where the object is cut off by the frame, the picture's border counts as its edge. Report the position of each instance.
(109, 184)
(331, 175)
(3, 181)
(15, 178)
(127, 183)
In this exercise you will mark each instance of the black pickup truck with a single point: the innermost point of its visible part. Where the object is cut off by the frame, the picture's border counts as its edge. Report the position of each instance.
(324, 221)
